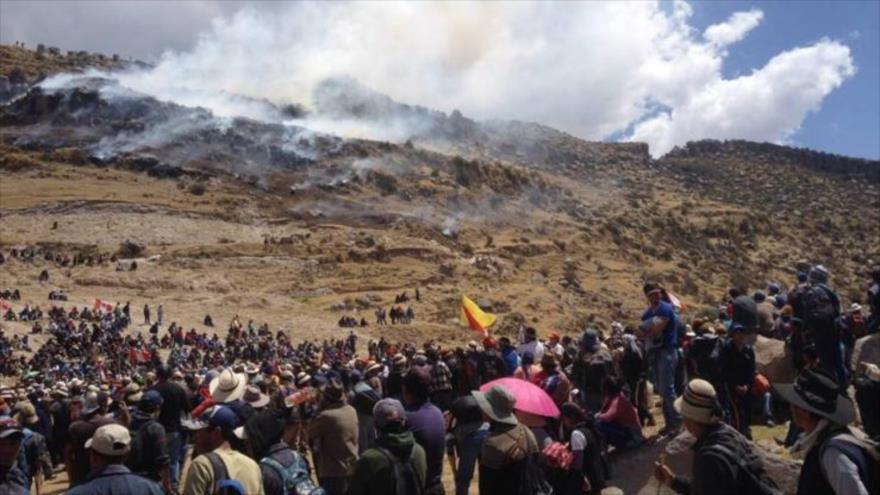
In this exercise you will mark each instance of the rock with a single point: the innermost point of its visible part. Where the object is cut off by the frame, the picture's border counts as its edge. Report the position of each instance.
(773, 361)
(129, 249)
(867, 349)
(631, 475)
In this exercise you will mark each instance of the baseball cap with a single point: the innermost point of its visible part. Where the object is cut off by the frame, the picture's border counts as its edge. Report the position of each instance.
(111, 440)
(217, 416)
(9, 427)
(150, 400)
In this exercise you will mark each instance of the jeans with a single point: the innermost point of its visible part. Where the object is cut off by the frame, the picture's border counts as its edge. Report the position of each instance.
(468, 451)
(175, 454)
(665, 363)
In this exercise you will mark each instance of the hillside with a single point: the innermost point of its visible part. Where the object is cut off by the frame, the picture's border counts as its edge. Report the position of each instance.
(279, 223)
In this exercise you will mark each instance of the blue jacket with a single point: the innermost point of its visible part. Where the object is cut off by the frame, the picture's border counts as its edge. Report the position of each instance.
(116, 479)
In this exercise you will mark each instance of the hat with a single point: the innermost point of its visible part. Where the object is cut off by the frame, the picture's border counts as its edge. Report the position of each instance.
(856, 307)
(150, 401)
(252, 369)
(745, 314)
(399, 360)
(497, 403)
(287, 376)
(303, 378)
(699, 403)
(489, 343)
(818, 274)
(228, 386)
(472, 344)
(590, 340)
(333, 390)
(387, 412)
(554, 336)
(9, 427)
(218, 416)
(787, 310)
(467, 414)
(373, 367)
(255, 398)
(872, 371)
(817, 391)
(26, 413)
(111, 440)
(90, 403)
(773, 288)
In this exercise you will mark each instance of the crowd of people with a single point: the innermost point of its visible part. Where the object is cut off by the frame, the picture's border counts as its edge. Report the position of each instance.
(253, 412)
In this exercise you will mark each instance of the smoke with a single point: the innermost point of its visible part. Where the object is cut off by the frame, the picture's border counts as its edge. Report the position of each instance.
(632, 70)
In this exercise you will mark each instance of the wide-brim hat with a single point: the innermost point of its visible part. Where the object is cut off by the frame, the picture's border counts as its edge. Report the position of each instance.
(228, 386)
(255, 398)
(817, 391)
(373, 367)
(497, 403)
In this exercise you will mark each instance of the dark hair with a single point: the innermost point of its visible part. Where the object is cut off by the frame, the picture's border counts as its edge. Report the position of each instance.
(650, 286)
(416, 383)
(611, 385)
(573, 412)
(163, 371)
(109, 459)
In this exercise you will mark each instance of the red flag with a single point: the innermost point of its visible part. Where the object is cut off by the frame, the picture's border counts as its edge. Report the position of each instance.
(103, 305)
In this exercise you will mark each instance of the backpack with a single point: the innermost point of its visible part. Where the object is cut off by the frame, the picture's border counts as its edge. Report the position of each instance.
(596, 465)
(223, 485)
(23, 463)
(534, 480)
(864, 453)
(705, 353)
(752, 483)
(633, 362)
(821, 310)
(403, 474)
(295, 476)
(137, 455)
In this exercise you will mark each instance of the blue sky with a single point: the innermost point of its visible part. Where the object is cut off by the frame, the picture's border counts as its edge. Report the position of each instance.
(848, 121)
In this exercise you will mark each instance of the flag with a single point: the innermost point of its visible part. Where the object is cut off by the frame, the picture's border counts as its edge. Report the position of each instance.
(474, 317)
(674, 301)
(103, 305)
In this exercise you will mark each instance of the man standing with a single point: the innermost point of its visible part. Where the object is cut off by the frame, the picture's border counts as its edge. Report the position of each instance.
(837, 459)
(334, 436)
(149, 450)
(426, 423)
(659, 325)
(396, 464)
(174, 405)
(12, 480)
(75, 454)
(216, 463)
(737, 360)
(108, 448)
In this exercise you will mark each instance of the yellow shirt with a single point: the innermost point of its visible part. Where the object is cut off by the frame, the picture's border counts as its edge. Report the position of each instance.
(200, 480)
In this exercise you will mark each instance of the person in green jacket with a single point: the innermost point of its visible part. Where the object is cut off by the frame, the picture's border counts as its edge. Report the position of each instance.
(397, 464)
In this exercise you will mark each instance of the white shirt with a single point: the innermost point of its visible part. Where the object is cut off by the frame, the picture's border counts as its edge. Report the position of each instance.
(842, 474)
(535, 347)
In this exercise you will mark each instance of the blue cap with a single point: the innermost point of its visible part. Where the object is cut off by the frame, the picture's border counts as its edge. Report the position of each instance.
(218, 417)
(150, 400)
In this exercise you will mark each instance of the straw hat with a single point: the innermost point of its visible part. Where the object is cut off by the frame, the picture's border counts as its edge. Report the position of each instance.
(228, 386)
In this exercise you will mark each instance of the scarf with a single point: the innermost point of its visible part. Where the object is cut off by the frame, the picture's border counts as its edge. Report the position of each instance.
(806, 442)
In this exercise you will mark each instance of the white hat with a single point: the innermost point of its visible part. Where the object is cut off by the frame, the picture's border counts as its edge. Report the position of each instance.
(111, 440)
(699, 403)
(228, 386)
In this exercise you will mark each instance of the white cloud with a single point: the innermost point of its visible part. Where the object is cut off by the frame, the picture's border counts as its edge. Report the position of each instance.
(595, 69)
(768, 105)
(734, 29)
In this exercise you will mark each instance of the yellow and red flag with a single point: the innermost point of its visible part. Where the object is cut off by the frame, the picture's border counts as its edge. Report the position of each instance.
(474, 317)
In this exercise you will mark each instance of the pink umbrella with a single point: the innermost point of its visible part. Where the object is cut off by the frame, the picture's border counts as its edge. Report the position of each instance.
(530, 398)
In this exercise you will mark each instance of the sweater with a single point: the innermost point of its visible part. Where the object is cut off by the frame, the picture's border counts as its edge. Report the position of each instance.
(334, 436)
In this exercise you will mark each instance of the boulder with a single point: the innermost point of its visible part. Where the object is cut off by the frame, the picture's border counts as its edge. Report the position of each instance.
(773, 360)
(867, 349)
(632, 470)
